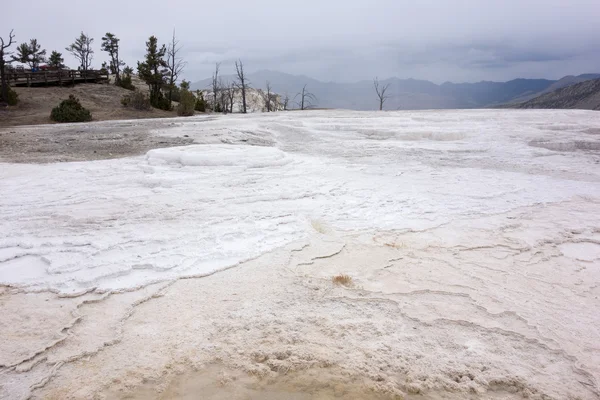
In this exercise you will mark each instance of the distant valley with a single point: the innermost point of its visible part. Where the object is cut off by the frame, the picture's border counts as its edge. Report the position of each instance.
(408, 94)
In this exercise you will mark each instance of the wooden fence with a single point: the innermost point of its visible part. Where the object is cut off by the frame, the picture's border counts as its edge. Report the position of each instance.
(60, 77)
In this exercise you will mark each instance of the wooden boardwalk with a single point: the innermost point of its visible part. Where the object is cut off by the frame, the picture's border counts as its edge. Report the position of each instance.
(62, 77)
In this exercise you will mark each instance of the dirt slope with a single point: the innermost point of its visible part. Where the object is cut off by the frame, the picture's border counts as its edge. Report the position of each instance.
(104, 101)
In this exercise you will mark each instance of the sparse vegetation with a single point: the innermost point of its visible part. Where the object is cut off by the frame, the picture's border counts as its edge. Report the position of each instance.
(70, 110)
(395, 244)
(153, 71)
(242, 82)
(307, 99)
(81, 49)
(4, 89)
(200, 102)
(216, 88)
(230, 97)
(175, 94)
(56, 59)
(174, 65)
(110, 44)
(285, 102)
(125, 81)
(381, 92)
(136, 100)
(13, 97)
(31, 54)
(268, 97)
(187, 101)
(344, 280)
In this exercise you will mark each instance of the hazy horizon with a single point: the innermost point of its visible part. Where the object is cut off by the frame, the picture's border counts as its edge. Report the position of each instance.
(382, 78)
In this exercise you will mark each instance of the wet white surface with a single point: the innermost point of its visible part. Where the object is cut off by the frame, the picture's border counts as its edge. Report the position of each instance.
(472, 238)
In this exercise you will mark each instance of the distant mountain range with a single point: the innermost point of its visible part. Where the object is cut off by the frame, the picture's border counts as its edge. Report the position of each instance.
(407, 94)
(584, 95)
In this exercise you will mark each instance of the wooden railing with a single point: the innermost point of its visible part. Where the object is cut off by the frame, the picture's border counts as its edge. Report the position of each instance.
(62, 77)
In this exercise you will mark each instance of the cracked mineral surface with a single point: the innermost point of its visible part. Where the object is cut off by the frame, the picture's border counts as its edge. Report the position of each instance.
(472, 240)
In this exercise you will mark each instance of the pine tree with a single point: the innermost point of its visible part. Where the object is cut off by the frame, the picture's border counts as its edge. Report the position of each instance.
(110, 44)
(200, 102)
(56, 60)
(153, 71)
(30, 54)
(81, 48)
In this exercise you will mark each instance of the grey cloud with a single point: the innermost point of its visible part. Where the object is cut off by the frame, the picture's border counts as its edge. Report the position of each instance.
(341, 40)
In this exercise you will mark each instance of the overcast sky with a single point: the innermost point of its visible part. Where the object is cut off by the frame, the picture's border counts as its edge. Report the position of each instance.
(336, 40)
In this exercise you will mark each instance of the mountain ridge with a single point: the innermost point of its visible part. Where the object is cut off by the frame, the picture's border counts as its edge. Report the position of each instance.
(406, 94)
(583, 95)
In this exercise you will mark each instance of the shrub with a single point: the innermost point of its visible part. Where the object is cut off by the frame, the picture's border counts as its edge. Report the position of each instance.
(187, 103)
(125, 82)
(13, 97)
(70, 110)
(136, 100)
(175, 94)
(200, 103)
(160, 101)
(342, 280)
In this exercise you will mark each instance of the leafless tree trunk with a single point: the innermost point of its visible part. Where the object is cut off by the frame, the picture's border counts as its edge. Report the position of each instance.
(215, 86)
(380, 90)
(4, 83)
(223, 97)
(306, 99)
(231, 95)
(175, 64)
(285, 102)
(268, 97)
(242, 82)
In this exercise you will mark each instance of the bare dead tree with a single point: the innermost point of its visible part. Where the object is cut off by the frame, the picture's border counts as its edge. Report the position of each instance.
(216, 88)
(242, 82)
(380, 90)
(223, 97)
(285, 101)
(306, 99)
(231, 95)
(3, 53)
(268, 97)
(175, 64)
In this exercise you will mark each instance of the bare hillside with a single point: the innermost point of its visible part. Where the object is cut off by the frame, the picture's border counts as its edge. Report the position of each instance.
(584, 95)
(104, 101)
